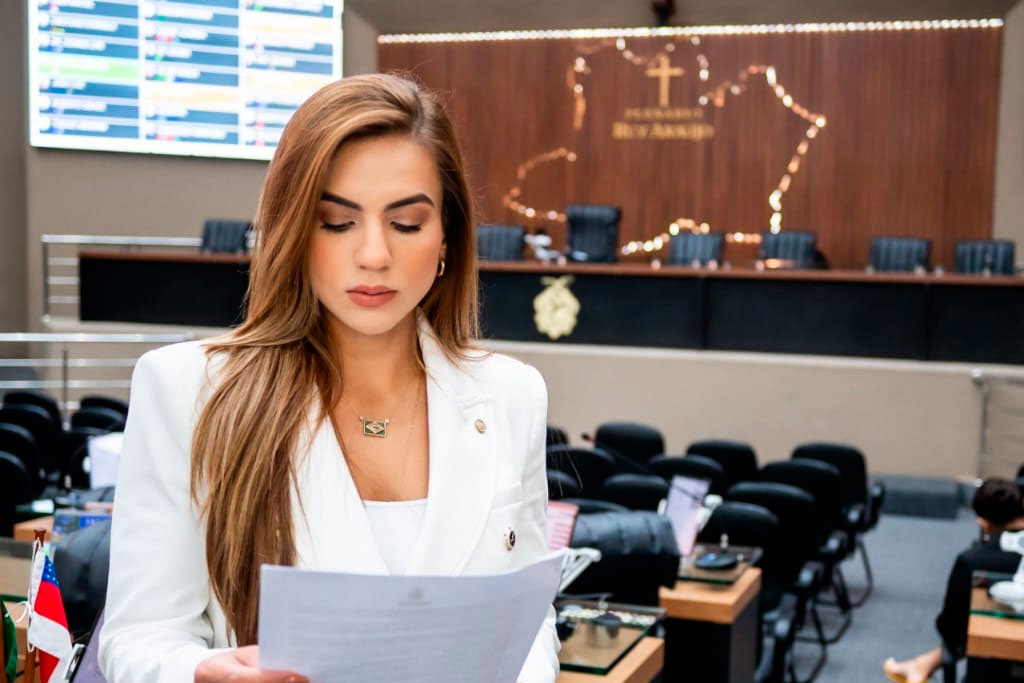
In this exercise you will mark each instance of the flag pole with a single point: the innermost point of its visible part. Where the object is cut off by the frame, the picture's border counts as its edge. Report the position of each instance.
(30, 653)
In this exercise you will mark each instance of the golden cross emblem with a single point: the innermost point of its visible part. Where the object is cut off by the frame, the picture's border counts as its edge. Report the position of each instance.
(664, 71)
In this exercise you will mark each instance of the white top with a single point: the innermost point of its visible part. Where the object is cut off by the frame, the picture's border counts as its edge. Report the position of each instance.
(396, 526)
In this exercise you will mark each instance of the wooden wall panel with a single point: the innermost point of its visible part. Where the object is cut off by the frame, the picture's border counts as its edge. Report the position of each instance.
(908, 148)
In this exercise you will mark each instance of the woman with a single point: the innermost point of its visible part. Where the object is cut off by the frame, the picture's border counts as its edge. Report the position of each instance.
(347, 424)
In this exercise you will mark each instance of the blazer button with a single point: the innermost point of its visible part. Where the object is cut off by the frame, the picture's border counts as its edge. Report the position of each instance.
(481, 426)
(510, 538)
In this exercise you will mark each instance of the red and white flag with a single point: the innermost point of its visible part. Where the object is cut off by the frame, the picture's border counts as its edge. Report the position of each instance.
(48, 625)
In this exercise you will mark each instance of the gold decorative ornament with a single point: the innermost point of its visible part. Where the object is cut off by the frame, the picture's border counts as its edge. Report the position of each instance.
(481, 426)
(556, 308)
(440, 270)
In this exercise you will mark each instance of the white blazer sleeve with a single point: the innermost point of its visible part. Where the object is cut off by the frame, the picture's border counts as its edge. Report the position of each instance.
(542, 663)
(156, 630)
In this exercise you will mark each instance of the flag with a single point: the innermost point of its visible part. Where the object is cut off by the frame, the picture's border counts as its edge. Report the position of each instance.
(10, 644)
(48, 626)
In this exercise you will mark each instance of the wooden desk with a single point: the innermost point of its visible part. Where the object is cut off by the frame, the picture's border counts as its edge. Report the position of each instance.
(16, 610)
(640, 665)
(26, 531)
(711, 631)
(995, 645)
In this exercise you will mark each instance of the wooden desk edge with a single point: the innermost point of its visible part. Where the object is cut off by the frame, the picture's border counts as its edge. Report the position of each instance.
(995, 638)
(25, 531)
(640, 665)
(717, 604)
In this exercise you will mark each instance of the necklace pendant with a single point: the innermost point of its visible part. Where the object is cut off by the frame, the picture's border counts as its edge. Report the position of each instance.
(378, 428)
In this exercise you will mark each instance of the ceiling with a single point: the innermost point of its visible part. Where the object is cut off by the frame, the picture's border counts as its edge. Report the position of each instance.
(432, 16)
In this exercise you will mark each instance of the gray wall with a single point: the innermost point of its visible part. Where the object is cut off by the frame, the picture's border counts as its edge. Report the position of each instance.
(12, 161)
(1008, 221)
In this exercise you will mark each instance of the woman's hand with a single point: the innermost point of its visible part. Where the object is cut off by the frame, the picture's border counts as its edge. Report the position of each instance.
(241, 666)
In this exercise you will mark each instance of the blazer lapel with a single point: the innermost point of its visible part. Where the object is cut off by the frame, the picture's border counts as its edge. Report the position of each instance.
(462, 465)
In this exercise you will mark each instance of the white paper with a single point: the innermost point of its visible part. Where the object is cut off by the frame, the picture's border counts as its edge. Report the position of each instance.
(351, 628)
(104, 457)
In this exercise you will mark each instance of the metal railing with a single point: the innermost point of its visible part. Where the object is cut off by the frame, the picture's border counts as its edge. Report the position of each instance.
(1001, 442)
(50, 369)
(66, 281)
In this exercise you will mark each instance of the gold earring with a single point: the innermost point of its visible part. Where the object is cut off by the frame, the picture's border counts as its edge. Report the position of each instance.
(440, 271)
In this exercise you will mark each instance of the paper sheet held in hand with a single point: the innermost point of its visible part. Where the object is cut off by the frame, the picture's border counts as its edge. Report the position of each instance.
(349, 628)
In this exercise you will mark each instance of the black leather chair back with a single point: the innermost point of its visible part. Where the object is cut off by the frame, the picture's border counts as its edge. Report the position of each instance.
(638, 554)
(639, 443)
(819, 479)
(36, 399)
(737, 459)
(100, 418)
(979, 256)
(848, 460)
(687, 247)
(635, 491)
(789, 245)
(899, 253)
(590, 467)
(751, 525)
(18, 441)
(82, 562)
(693, 466)
(562, 485)
(593, 232)
(16, 487)
(796, 512)
(39, 424)
(224, 236)
(108, 402)
(500, 242)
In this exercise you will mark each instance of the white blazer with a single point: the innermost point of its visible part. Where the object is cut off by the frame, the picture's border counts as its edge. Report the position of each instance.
(161, 616)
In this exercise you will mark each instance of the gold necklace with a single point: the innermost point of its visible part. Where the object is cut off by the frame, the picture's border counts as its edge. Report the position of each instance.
(405, 456)
(371, 426)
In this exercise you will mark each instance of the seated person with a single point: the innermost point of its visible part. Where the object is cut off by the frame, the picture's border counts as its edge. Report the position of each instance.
(999, 507)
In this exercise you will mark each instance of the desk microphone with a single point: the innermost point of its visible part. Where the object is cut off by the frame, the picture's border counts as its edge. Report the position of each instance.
(718, 559)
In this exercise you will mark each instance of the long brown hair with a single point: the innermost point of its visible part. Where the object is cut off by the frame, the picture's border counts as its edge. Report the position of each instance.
(245, 441)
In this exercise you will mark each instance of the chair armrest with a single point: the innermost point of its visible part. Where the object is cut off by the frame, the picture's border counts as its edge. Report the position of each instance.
(856, 516)
(876, 496)
(835, 548)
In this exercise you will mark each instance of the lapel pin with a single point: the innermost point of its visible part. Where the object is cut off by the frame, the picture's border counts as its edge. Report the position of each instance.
(510, 538)
(481, 426)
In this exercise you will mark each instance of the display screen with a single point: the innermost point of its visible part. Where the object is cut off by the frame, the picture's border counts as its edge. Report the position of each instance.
(217, 78)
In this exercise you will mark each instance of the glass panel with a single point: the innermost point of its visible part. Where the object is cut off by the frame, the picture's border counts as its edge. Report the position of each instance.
(602, 633)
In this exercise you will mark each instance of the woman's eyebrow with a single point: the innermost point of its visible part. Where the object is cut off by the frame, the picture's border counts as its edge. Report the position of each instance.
(414, 199)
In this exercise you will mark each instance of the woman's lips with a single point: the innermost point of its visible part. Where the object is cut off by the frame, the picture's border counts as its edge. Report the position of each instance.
(371, 297)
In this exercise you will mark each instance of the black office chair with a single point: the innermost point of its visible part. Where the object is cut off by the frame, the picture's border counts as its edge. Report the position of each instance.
(108, 402)
(825, 485)
(40, 425)
(81, 561)
(752, 525)
(593, 232)
(99, 418)
(556, 436)
(18, 442)
(225, 236)
(633, 442)
(899, 253)
(36, 398)
(500, 242)
(688, 248)
(863, 504)
(635, 491)
(590, 467)
(638, 555)
(995, 257)
(693, 466)
(590, 506)
(737, 459)
(562, 485)
(795, 246)
(16, 487)
(74, 445)
(798, 543)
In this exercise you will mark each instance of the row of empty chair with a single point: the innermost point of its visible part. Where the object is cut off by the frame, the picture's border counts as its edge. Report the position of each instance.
(593, 237)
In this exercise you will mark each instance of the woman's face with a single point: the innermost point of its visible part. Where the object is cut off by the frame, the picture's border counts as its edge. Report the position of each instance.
(379, 237)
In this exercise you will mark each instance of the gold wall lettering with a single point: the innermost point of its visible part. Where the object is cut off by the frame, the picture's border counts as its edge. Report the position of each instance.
(662, 131)
(556, 308)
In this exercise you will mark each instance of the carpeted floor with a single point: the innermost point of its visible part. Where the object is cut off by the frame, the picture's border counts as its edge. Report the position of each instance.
(911, 558)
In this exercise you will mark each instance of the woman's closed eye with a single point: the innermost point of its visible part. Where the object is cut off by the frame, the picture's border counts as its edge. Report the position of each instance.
(342, 227)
